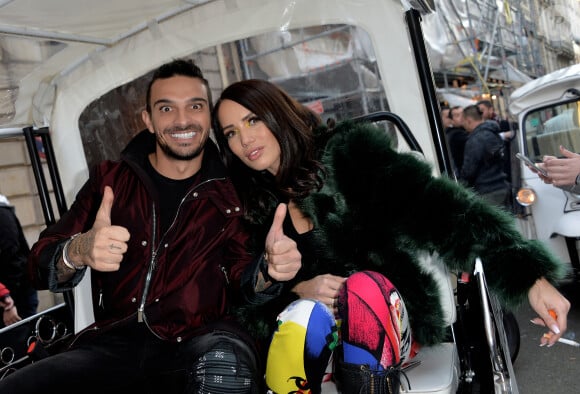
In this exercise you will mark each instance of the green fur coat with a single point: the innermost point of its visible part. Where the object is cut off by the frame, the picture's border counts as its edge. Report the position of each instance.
(380, 210)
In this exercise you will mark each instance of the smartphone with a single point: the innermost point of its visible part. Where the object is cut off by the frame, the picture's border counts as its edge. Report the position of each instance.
(530, 163)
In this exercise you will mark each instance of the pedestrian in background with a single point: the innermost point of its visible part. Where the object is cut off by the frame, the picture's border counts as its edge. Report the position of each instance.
(456, 137)
(505, 132)
(14, 252)
(483, 160)
(445, 118)
(9, 310)
(488, 113)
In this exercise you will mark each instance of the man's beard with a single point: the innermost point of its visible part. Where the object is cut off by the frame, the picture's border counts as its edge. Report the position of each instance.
(177, 155)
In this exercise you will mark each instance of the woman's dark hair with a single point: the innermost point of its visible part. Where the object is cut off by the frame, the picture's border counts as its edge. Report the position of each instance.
(292, 125)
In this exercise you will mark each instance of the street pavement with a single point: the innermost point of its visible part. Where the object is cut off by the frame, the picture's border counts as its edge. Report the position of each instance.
(554, 370)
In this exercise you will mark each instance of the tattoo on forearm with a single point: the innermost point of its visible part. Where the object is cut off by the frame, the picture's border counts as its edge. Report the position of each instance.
(63, 273)
(76, 250)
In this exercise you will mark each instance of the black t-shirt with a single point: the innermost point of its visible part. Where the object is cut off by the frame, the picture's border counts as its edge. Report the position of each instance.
(304, 241)
(171, 192)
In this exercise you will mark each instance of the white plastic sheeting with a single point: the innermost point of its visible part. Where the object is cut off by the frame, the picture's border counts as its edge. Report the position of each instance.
(100, 54)
(507, 72)
(455, 97)
(43, 42)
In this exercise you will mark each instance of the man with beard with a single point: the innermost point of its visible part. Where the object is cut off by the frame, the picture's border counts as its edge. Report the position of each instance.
(505, 131)
(161, 231)
(483, 158)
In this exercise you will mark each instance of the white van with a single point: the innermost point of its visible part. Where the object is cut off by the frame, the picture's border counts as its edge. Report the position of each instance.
(547, 109)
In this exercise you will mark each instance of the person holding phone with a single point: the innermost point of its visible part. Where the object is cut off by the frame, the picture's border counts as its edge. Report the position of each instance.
(531, 164)
(563, 172)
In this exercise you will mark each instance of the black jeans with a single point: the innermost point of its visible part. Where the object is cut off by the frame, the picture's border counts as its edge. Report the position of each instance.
(135, 360)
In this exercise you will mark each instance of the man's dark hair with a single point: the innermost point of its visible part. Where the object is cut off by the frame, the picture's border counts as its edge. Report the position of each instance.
(487, 103)
(473, 112)
(179, 67)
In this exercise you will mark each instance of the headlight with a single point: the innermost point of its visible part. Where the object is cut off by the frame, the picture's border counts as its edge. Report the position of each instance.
(526, 197)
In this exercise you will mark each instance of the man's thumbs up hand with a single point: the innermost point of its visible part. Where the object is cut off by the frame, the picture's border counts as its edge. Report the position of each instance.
(103, 246)
(282, 255)
(103, 218)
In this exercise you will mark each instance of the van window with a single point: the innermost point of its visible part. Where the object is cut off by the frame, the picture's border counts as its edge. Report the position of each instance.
(330, 68)
(548, 128)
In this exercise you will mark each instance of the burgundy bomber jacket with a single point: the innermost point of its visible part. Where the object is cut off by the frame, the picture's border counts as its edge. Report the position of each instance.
(185, 278)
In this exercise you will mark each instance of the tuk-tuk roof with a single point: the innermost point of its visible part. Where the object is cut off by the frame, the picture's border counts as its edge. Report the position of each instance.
(43, 42)
(40, 41)
(545, 89)
(71, 58)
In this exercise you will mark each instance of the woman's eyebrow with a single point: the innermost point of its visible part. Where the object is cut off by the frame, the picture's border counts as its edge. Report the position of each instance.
(244, 119)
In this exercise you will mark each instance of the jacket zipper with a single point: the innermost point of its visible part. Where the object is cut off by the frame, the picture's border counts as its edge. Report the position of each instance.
(154, 251)
(141, 309)
(225, 272)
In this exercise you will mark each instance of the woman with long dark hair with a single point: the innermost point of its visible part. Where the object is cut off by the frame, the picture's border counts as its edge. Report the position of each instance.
(333, 180)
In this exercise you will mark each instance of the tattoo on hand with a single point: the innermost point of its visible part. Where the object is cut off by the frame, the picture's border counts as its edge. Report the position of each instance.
(82, 244)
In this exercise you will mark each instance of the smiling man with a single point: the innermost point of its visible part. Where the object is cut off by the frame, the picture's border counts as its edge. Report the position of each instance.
(177, 113)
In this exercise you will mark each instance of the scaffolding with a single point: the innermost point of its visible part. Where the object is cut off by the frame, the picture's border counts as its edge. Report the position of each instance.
(493, 46)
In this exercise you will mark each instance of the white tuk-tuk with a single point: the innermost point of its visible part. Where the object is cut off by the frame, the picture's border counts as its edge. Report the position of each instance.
(343, 58)
(547, 109)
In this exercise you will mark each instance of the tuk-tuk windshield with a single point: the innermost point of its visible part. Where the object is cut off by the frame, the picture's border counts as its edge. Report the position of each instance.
(548, 128)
